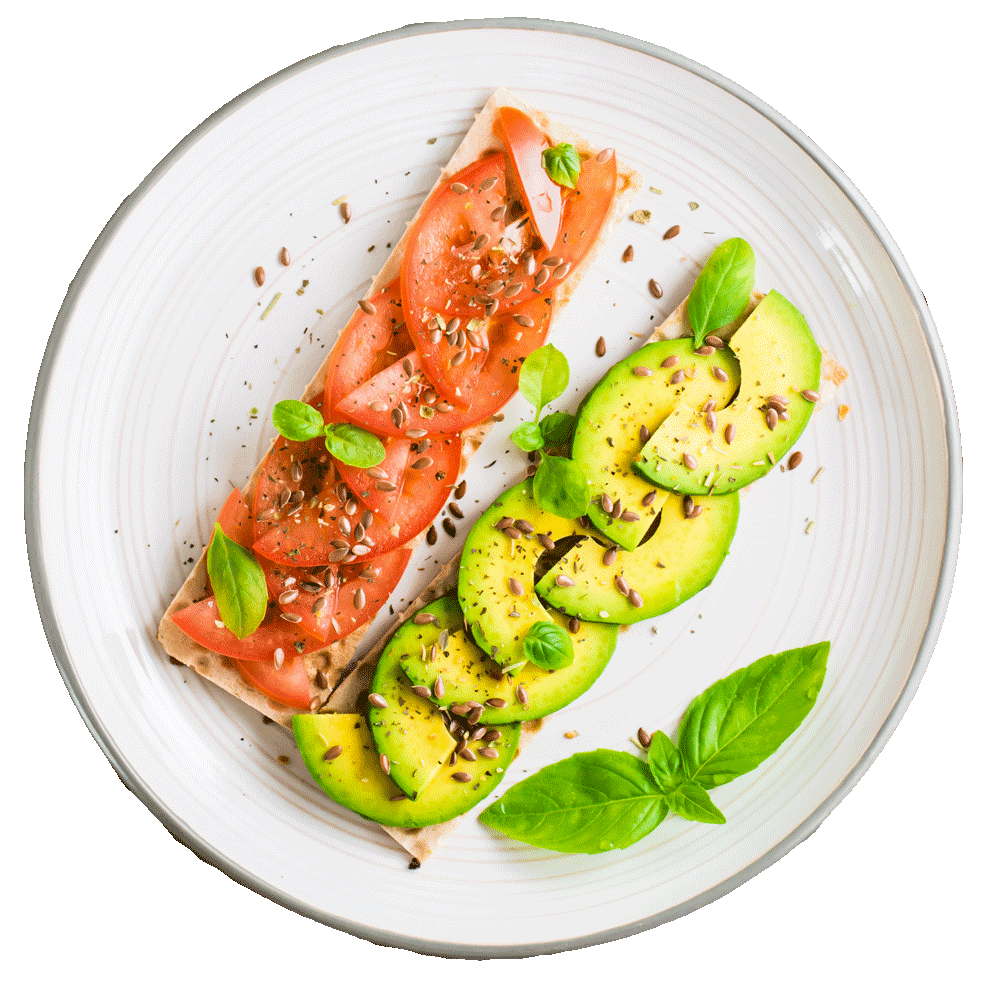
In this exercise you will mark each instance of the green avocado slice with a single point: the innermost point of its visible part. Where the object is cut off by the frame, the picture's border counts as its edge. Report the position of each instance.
(778, 357)
(499, 618)
(608, 431)
(468, 674)
(681, 558)
(355, 779)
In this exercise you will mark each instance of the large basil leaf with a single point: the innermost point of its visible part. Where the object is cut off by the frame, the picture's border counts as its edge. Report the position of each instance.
(737, 723)
(722, 290)
(561, 487)
(297, 421)
(354, 446)
(665, 761)
(562, 164)
(602, 800)
(527, 436)
(238, 584)
(691, 801)
(548, 645)
(544, 376)
(557, 428)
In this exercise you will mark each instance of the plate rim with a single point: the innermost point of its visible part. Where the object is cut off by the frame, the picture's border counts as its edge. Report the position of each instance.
(204, 850)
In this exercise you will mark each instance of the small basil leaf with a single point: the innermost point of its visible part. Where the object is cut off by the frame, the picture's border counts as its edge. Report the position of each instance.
(548, 645)
(602, 800)
(665, 762)
(722, 290)
(354, 446)
(238, 584)
(527, 436)
(562, 164)
(738, 722)
(544, 376)
(296, 420)
(691, 801)
(557, 428)
(561, 487)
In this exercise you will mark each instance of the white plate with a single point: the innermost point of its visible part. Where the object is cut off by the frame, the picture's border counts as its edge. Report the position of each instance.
(141, 423)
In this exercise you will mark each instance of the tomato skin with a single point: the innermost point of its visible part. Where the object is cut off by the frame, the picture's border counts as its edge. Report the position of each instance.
(510, 343)
(584, 211)
(287, 685)
(369, 343)
(364, 486)
(525, 143)
(388, 569)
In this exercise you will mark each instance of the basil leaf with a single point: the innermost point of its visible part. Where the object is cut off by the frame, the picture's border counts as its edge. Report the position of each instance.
(665, 762)
(544, 376)
(296, 420)
(557, 428)
(548, 645)
(562, 164)
(602, 800)
(527, 436)
(691, 801)
(737, 723)
(561, 487)
(722, 290)
(354, 446)
(238, 584)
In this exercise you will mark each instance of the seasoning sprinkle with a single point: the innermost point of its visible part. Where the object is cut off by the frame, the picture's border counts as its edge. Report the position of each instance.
(818, 471)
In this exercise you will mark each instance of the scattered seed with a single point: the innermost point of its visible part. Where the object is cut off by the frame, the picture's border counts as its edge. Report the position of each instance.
(795, 460)
(512, 533)
(522, 694)
(462, 776)
(258, 276)
(809, 394)
(628, 254)
(688, 506)
(424, 618)
(705, 351)
(644, 738)
(422, 463)
(490, 753)
(635, 598)
(573, 625)
(359, 599)
(522, 525)
(498, 213)
(609, 556)
(690, 461)
(648, 498)
(562, 580)
(711, 422)
(616, 510)
(695, 510)
(561, 271)
(290, 616)
(366, 307)
(443, 407)
(655, 289)
(669, 362)
(459, 188)
(439, 687)
(516, 588)
(416, 432)
(629, 516)
(449, 527)
(455, 511)
(350, 508)
(642, 371)
(287, 596)
(512, 289)
(383, 761)
(377, 701)
(604, 155)
(729, 433)
(643, 434)
(678, 376)
(546, 541)
(345, 211)
(771, 418)
(720, 374)
(671, 232)
(333, 753)
(279, 658)
(266, 515)
(525, 321)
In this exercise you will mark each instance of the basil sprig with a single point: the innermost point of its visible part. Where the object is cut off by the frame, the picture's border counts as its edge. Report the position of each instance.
(238, 584)
(548, 645)
(722, 290)
(605, 800)
(560, 485)
(562, 164)
(351, 445)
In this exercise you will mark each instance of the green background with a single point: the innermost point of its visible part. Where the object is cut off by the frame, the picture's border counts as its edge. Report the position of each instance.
(892, 895)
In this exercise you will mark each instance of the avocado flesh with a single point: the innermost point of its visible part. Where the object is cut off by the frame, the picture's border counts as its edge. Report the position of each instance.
(470, 675)
(777, 356)
(490, 559)
(355, 780)
(681, 558)
(607, 439)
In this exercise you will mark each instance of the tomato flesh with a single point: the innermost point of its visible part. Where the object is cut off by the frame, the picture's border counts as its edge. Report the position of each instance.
(287, 684)
(376, 579)
(369, 343)
(374, 491)
(510, 343)
(542, 196)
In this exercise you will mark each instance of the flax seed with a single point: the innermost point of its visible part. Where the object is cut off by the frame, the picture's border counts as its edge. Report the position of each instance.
(671, 232)
(522, 694)
(729, 433)
(644, 738)
(690, 461)
(377, 701)
(719, 374)
(258, 276)
(643, 434)
(562, 580)
(609, 556)
(655, 289)
(600, 348)
(515, 587)
(677, 377)
(771, 418)
(449, 527)
(366, 307)
(424, 618)
(669, 362)
(642, 371)
(333, 753)
(461, 489)
(809, 394)
(648, 498)
(795, 460)
(628, 254)
(525, 321)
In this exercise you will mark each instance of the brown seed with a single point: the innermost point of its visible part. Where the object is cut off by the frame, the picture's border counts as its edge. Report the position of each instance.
(705, 351)
(459, 188)
(622, 586)
(377, 701)
(498, 213)
(466, 754)
(491, 735)
(688, 506)
(296, 471)
(678, 376)
(422, 463)
(522, 694)
(376, 473)
(629, 516)
(573, 625)
(671, 232)
(709, 406)
(720, 374)
(715, 342)
(378, 405)
(546, 541)
(455, 510)
(383, 761)
(414, 433)
(783, 415)
(462, 776)
(286, 597)
(771, 418)
(648, 498)
(504, 523)
(609, 556)
(562, 580)
(696, 510)
(366, 307)
(512, 289)
(643, 434)
(408, 367)
(481, 240)
(344, 526)
(813, 397)
(488, 183)
(359, 532)
(515, 586)
(266, 515)
(345, 211)
(794, 460)
(711, 422)
(424, 618)
(526, 321)
(690, 461)
(459, 357)
(526, 526)
(493, 287)
(496, 702)
(655, 289)
(616, 510)
(490, 753)
(432, 535)
(644, 738)
(669, 362)
(475, 715)
(543, 275)
(461, 489)
(628, 254)
(512, 533)
(561, 271)
(359, 599)
(642, 371)
(258, 276)
(333, 753)
(438, 687)
(284, 258)
(607, 504)
(604, 155)
(729, 433)
(552, 261)
(434, 336)
(449, 527)
(443, 407)
(635, 598)
(286, 495)
(778, 401)
(385, 488)
(317, 606)
(601, 348)
(289, 616)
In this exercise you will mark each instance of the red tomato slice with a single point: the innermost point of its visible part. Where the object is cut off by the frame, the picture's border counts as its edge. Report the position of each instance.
(377, 579)
(369, 343)
(198, 621)
(509, 344)
(287, 684)
(379, 493)
(584, 211)
(542, 196)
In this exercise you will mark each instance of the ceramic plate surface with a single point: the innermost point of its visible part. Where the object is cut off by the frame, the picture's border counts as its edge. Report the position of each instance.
(161, 352)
